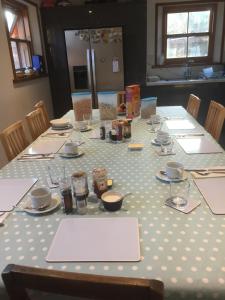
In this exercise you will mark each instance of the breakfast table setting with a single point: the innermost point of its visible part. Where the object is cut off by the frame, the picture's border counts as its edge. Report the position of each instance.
(150, 205)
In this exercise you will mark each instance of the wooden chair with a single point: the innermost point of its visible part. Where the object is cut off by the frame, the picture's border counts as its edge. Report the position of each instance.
(215, 119)
(42, 106)
(19, 278)
(14, 140)
(36, 123)
(193, 105)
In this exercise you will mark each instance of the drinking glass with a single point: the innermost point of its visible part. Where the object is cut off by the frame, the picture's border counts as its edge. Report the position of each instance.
(56, 172)
(179, 193)
(167, 148)
(87, 119)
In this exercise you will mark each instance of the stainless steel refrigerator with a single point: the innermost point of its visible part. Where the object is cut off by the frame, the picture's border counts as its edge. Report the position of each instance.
(95, 60)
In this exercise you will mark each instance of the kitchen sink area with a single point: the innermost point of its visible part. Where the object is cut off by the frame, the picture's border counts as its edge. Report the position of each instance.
(184, 81)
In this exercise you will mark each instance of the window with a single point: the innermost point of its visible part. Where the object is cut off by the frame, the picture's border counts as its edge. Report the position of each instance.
(19, 36)
(188, 34)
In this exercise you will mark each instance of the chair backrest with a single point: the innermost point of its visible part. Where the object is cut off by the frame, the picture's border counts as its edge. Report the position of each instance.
(42, 106)
(193, 105)
(215, 119)
(19, 278)
(36, 123)
(14, 140)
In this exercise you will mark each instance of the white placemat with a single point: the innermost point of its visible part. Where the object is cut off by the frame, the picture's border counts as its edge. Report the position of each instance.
(179, 124)
(44, 146)
(96, 239)
(199, 145)
(213, 191)
(13, 190)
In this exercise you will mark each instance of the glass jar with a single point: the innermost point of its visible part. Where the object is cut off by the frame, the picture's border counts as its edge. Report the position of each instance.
(80, 191)
(99, 181)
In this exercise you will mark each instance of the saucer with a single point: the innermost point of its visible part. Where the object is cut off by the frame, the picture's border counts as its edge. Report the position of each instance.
(88, 128)
(55, 202)
(68, 126)
(165, 178)
(157, 143)
(71, 155)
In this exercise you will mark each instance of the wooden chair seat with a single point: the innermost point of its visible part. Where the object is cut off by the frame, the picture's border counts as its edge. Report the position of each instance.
(19, 278)
(36, 123)
(215, 119)
(14, 140)
(41, 105)
(193, 105)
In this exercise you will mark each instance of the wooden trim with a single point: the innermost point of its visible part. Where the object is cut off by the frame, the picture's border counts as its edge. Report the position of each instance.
(223, 38)
(188, 8)
(188, 2)
(156, 32)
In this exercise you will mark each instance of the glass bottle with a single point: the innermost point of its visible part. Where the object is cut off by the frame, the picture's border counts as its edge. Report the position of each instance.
(80, 191)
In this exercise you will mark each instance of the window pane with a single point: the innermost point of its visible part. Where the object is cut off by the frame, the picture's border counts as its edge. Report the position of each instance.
(18, 31)
(198, 46)
(177, 23)
(199, 21)
(15, 55)
(25, 55)
(10, 19)
(176, 48)
(27, 29)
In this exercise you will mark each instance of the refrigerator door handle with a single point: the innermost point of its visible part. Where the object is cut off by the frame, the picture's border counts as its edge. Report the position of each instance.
(93, 67)
(89, 69)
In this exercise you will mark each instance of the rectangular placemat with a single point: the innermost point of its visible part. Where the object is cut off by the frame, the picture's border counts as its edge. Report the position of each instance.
(96, 239)
(12, 191)
(199, 145)
(213, 191)
(179, 124)
(44, 146)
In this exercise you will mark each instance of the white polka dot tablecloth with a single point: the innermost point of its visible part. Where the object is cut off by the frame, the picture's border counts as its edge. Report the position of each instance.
(185, 251)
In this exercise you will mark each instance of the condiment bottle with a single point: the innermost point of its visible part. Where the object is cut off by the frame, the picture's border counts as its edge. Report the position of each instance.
(102, 132)
(80, 191)
(113, 135)
(99, 181)
(66, 193)
(127, 129)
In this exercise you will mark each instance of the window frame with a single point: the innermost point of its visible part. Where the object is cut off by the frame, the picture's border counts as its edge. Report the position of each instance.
(211, 33)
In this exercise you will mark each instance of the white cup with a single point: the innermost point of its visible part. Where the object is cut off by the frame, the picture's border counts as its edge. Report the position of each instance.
(40, 197)
(174, 170)
(70, 148)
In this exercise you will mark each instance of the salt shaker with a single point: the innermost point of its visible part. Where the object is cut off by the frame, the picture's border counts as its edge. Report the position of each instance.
(80, 191)
(99, 181)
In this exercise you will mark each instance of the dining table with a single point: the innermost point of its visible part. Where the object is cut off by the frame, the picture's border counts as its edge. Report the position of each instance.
(184, 250)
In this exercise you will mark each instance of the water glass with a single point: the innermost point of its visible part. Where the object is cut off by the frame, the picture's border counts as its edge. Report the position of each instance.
(179, 193)
(56, 172)
(168, 148)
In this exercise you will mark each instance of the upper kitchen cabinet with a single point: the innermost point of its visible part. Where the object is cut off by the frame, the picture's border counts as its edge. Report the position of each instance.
(131, 17)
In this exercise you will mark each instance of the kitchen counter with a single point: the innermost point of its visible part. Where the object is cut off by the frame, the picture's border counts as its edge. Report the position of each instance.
(184, 82)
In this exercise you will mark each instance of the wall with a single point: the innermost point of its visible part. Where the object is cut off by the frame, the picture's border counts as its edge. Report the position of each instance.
(16, 100)
(172, 73)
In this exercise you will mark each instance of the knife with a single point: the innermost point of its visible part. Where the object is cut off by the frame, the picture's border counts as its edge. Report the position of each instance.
(206, 169)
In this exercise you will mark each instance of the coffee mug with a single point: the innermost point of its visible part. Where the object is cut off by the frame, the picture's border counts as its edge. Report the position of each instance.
(70, 148)
(40, 197)
(174, 170)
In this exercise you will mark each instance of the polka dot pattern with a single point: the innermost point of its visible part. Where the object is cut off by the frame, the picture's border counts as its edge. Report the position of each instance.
(185, 251)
